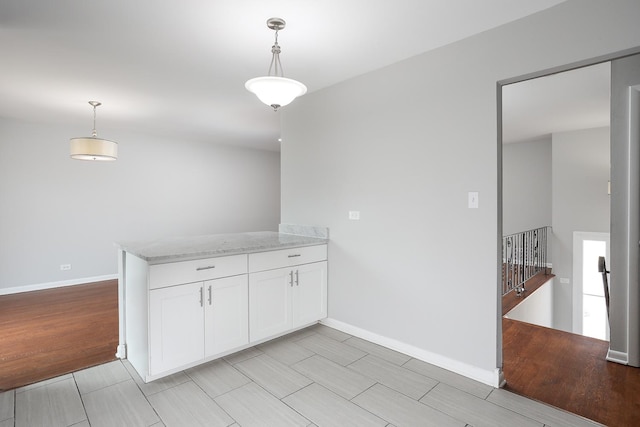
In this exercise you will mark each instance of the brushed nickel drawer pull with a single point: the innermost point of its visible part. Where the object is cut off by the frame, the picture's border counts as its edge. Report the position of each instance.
(294, 255)
(205, 268)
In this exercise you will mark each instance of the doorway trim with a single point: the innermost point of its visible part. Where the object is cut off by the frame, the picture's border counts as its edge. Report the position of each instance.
(499, 86)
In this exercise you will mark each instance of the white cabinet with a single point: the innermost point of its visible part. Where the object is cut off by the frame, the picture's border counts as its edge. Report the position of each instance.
(226, 315)
(286, 298)
(197, 320)
(270, 303)
(176, 332)
(199, 270)
(180, 314)
(309, 302)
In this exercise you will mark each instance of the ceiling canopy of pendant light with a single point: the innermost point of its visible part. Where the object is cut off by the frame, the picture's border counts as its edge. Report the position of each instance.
(92, 147)
(274, 89)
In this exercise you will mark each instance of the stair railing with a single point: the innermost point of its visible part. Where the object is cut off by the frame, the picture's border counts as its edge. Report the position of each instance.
(524, 255)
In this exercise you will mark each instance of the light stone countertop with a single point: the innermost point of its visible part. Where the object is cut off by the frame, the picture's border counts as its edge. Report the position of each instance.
(215, 245)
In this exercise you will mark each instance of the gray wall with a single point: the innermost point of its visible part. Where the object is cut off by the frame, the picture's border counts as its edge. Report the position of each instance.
(404, 145)
(526, 185)
(55, 210)
(581, 166)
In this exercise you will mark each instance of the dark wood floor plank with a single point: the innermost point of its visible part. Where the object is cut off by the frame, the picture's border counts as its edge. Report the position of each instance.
(570, 372)
(48, 333)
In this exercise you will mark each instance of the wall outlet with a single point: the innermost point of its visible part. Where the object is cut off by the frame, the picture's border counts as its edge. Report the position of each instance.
(65, 267)
(354, 215)
(564, 280)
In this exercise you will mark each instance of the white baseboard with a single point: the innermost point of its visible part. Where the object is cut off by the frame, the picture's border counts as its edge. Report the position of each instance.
(618, 357)
(51, 285)
(121, 351)
(493, 377)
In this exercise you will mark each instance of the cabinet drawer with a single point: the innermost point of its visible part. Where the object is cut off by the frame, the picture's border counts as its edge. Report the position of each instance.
(175, 273)
(286, 257)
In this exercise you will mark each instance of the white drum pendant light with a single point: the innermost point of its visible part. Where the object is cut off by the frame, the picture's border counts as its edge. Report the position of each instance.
(92, 147)
(274, 89)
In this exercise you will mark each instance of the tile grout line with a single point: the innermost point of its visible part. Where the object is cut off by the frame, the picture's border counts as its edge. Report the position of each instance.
(213, 399)
(84, 408)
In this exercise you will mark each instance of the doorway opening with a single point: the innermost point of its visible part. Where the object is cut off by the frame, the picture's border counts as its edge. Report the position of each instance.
(555, 171)
(586, 358)
(590, 307)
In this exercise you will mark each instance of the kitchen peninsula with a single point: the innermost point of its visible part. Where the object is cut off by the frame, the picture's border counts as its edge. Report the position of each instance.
(186, 301)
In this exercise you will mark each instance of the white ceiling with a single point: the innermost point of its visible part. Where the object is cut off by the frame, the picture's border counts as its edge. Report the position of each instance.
(177, 68)
(576, 99)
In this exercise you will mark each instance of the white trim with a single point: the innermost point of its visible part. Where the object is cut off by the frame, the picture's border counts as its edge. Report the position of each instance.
(618, 357)
(493, 378)
(51, 285)
(122, 308)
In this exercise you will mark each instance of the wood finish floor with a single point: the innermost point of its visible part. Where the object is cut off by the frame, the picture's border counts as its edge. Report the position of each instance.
(569, 372)
(44, 334)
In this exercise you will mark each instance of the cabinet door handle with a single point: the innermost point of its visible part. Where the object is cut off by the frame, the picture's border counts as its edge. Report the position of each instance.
(291, 278)
(209, 267)
(209, 294)
(297, 281)
(293, 255)
(201, 296)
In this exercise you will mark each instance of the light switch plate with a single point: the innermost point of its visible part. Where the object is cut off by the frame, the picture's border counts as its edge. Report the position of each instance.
(473, 200)
(354, 215)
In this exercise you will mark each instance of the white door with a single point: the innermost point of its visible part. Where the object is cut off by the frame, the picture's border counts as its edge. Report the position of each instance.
(176, 326)
(226, 314)
(590, 310)
(270, 302)
(309, 293)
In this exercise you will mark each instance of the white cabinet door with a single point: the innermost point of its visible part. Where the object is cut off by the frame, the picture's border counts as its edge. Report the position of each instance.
(226, 314)
(270, 303)
(176, 326)
(309, 293)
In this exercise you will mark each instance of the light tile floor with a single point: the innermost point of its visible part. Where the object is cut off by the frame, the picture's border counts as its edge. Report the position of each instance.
(315, 377)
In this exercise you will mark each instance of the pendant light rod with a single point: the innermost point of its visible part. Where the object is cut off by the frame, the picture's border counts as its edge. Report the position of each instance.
(94, 104)
(276, 24)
